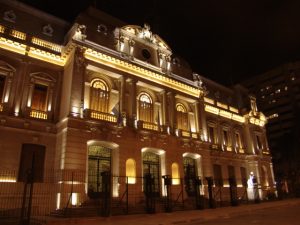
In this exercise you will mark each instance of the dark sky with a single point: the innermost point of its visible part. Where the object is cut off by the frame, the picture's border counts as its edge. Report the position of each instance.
(224, 40)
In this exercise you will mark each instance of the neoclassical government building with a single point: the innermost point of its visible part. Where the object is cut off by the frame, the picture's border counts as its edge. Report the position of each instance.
(99, 95)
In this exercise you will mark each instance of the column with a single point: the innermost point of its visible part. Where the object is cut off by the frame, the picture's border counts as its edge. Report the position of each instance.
(197, 116)
(164, 109)
(249, 148)
(202, 120)
(132, 110)
(171, 110)
(77, 88)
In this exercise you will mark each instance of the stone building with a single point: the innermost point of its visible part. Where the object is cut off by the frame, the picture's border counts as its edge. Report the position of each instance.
(102, 96)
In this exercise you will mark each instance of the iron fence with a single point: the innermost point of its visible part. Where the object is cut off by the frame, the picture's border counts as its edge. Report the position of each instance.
(67, 193)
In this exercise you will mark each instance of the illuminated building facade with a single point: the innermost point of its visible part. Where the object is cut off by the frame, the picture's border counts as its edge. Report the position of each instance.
(278, 95)
(102, 96)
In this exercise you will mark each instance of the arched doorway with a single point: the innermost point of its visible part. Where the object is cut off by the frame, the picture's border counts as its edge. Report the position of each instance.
(99, 161)
(190, 174)
(151, 170)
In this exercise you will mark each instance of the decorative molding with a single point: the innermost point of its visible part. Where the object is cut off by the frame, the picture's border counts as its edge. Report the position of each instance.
(48, 30)
(10, 16)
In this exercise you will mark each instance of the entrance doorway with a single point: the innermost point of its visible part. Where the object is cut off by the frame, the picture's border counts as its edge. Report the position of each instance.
(99, 162)
(151, 172)
(190, 175)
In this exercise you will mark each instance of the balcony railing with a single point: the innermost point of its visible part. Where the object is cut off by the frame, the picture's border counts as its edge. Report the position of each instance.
(265, 152)
(241, 150)
(150, 126)
(38, 114)
(185, 133)
(88, 113)
(214, 146)
(195, 135)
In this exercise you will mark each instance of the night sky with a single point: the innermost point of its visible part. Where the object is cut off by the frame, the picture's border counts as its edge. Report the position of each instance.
(224, 40)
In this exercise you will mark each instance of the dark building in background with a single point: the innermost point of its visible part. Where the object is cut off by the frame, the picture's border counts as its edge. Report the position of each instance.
(278, 96)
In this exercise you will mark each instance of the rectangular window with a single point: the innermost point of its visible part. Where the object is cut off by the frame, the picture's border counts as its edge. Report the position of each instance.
(32, 157)
(182, 120)
(225, 137)
(212, 135)
(218, 178)
(2, 82)
(39, 97)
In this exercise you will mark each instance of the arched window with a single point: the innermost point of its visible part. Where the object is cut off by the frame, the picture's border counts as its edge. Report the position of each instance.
(182, 117)
(175, 174)
(145, 108)
(99, 96)
(130, 171)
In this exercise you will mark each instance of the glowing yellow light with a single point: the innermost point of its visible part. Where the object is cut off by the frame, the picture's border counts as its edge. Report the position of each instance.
(12, 46)
(74, 199)
(212, 109)
(103, 116)
(7, 180)
(225, 114)
(221, 105)
(2, 29)
(46, 44)
(209, 100)
(185, 133)
(141, 72)
(150, 126)
(238, 118)
(38, 114)
(18, 34)
(175, 174)
(46, 56)
(232, 109)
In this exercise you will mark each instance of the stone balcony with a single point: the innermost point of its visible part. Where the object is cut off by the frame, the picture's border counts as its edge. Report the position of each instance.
(147, 126)
(37, 114)
(96, 115)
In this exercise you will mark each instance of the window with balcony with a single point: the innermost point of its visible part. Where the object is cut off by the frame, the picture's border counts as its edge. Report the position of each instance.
(212, 135)
(145, 108)
(182, 117)
(238, 143)
(99, 101)
(225, 137)
(99, 94)
(40, 99)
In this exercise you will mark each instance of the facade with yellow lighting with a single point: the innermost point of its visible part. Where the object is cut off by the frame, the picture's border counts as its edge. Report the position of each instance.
(102, 96)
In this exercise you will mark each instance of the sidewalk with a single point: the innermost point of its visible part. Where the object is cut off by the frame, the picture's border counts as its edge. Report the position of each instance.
(179, 217)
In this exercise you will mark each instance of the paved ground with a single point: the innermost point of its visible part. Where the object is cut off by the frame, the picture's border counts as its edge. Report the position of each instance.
(283, 212)
(283, 215)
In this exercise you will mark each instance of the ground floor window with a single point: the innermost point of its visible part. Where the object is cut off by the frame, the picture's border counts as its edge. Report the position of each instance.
(32, 162)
